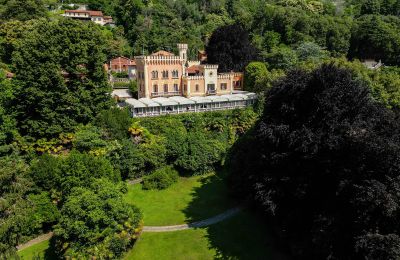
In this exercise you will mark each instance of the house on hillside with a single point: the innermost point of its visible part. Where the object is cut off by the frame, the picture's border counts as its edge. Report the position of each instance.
(89, 15)
(123, 64)
(172, 84)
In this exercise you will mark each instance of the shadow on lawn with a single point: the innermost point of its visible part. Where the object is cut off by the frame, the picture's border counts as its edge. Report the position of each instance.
(243, 236)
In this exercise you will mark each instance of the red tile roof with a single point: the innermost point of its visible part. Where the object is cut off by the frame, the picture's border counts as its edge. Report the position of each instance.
(123, 61)
(193, 69)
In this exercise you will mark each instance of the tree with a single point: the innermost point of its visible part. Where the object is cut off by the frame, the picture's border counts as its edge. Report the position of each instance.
(59, 68)
(281, 57)
(376, 37)
(310, 51)
(23, 10)
(88, 138)
(115, 122)
(15, 210)
(323, 162)
(8, 129)
(229, 47)
(96, 222)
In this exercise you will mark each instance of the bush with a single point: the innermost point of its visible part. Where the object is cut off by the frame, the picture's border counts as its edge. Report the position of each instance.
(160, 179)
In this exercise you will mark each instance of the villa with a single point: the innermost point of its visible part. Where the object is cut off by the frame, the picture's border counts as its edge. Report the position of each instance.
(170, 84)
(89, 15)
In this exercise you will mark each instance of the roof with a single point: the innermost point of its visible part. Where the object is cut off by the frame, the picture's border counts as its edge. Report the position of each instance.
(179, 100)
(121, 93)
(201, 100)
(135, 103)
(162, 53)
(149, 102)
(123, 60)
(182, 100)
(91, 13)
(194, 69)
(165, 101)
(234, 97)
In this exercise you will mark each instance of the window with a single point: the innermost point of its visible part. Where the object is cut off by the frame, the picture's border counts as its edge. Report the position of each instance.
(175, 74)
(165, 88)
(184, 87)
(155, 88)
(176, 87)
(154, 74)
(211, 74)
(197, 87)
(165, 74)
(224, 86)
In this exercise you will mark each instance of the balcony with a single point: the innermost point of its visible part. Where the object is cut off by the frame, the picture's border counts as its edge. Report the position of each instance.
(165, 94)
(211, 92)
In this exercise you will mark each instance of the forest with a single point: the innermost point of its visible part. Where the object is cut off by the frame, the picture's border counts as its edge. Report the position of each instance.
(317, 155)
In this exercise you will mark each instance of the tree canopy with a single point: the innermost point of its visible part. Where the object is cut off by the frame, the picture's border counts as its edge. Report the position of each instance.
(230, 47)
(323, 161)
(60, 77)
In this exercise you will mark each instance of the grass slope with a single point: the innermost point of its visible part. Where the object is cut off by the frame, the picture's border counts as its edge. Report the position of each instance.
(41, 250)
(190, 199)
(241, 237)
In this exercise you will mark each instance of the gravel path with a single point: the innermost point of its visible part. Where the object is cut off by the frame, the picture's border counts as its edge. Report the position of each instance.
(210, 221)
(35, 241)
(135, 181)
(218, 218)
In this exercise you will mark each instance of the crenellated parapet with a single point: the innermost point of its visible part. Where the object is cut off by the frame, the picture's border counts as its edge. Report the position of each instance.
(210, 66)
(159, 60)
(194, 77)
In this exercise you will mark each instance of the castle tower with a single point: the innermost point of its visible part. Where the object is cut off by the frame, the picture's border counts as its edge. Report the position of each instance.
(210, 73)
(183, 48)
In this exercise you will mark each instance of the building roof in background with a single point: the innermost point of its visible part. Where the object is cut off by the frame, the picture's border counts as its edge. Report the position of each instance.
(162, 53)
(123, 61)
(91, 13)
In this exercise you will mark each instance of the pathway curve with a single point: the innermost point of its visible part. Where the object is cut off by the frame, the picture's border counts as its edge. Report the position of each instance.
(218, 218)
(35, 241)
(210, 221)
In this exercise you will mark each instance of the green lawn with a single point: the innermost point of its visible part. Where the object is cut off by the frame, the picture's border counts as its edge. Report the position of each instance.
(241, 237)
(244, 236)
(38, 251)
(188, 200)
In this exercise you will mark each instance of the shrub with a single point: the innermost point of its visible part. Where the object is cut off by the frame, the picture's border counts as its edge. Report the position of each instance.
(160, 179)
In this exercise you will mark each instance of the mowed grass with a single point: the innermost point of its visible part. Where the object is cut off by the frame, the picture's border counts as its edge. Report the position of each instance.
(190, 199)
(41, 250)
(243, 236)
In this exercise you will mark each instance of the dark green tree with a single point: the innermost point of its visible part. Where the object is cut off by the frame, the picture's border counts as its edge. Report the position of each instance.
(230, 47)
(323, 162)
(59, 68)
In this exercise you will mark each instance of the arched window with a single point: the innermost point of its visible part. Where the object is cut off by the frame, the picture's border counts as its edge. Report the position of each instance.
(165, 88)
(155, 88)
(175, 74)
(165, 74)
(154, 74)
